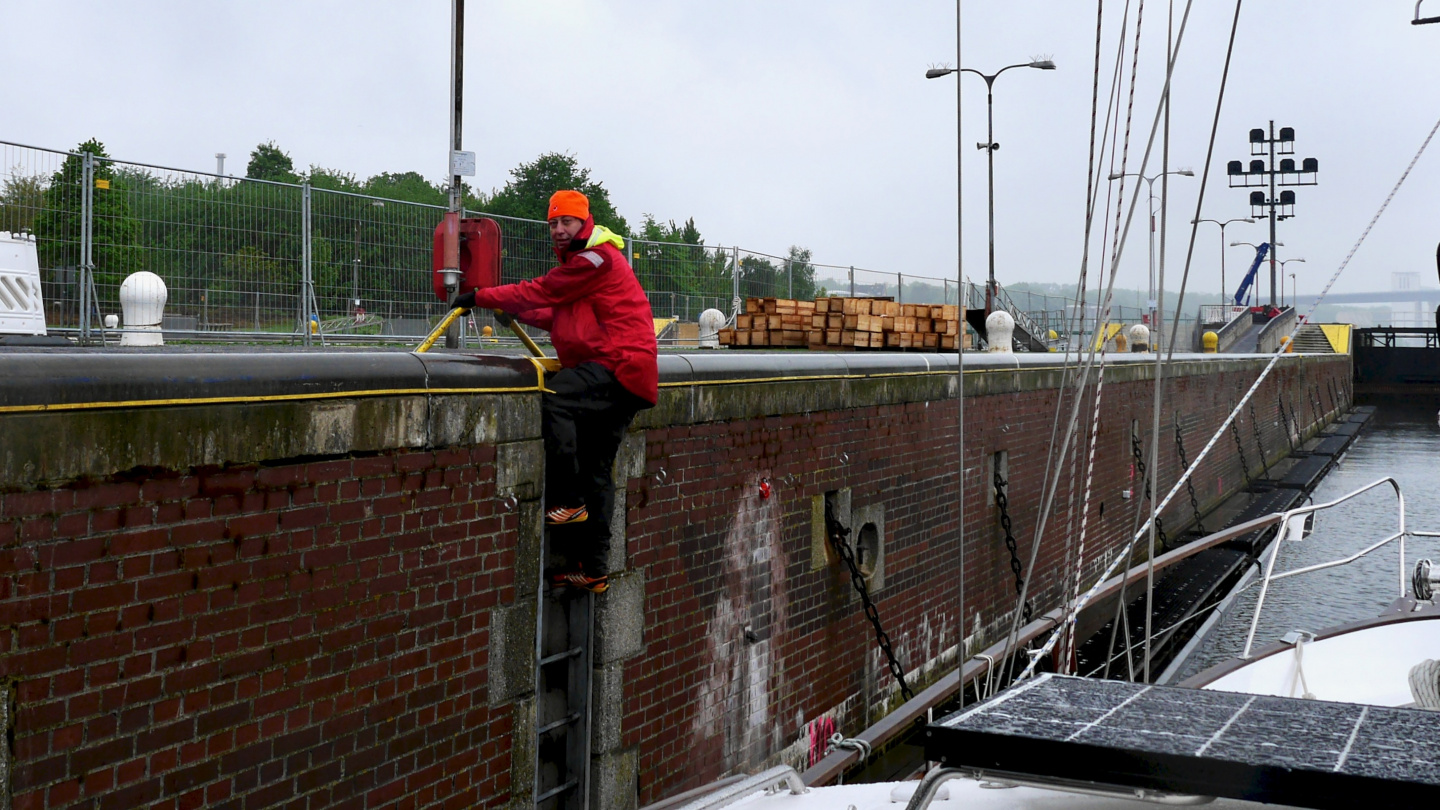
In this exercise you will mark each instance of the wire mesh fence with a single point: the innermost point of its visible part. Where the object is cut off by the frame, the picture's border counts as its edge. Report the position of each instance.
(247, 259)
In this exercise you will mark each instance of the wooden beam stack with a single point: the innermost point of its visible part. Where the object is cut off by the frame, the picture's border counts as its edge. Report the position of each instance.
(845, 324)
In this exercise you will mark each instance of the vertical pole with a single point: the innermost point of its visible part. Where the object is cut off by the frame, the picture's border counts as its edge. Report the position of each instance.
(852, 281)
(457, 193)
(990, 163)
(87, 182)
(305, 311)
(961, 653)
(1272, 213)
(790, 279)
(735, 278)
(899, 288)
(257, 311)
(1224, 294)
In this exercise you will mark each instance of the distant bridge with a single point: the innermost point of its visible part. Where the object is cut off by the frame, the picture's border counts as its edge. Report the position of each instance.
(1379, 297)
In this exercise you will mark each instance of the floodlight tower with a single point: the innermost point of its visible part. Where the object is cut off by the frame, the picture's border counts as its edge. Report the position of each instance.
(1262, 174)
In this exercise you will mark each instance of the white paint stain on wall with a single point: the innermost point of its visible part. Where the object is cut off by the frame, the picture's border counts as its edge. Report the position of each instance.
(744, 632)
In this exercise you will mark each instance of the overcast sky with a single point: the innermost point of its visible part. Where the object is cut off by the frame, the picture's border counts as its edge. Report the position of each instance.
(771, 123)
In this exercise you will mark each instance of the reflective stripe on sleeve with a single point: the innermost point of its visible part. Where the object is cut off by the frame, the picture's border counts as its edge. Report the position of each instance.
(592, 257)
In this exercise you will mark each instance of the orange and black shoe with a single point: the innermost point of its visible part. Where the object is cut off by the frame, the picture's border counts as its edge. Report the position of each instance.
(564, 515)
(581, 580)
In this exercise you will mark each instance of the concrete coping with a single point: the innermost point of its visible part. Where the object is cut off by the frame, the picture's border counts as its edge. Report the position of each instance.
(73, 380)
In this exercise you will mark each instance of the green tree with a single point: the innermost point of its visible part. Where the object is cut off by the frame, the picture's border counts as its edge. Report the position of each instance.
(116, 233)
(800, 273)
(20, 201)
(527, 194)
(269, 162)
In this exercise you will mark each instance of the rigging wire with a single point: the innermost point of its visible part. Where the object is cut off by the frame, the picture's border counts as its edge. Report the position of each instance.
(1159, 359)
(1254, 387)
(1120, 240)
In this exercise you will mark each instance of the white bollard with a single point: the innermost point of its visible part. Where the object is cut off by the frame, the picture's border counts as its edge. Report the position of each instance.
(711, 322)
(112, 321)
(142, 299)
(1000, 331)
(1139, 338)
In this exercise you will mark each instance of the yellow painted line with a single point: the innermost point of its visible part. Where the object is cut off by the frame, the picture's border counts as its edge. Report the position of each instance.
(813, 377)
(153, 403)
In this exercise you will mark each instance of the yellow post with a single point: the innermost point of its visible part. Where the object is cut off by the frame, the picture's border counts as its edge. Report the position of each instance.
(1210, 341)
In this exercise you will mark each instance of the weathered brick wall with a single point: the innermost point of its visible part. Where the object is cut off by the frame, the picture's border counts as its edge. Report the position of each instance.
(259, 636)
(330, 602)
(751, 630)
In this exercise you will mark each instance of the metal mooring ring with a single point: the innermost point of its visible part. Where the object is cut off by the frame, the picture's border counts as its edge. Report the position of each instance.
(509, 503)
(661, 476)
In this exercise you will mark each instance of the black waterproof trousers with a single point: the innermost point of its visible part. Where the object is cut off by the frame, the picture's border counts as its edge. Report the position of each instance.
(584, 421)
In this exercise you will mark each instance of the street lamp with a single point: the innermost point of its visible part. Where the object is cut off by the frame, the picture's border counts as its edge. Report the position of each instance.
(1224, 295)
(1292, 282)
(1150, 186)
(990, 146)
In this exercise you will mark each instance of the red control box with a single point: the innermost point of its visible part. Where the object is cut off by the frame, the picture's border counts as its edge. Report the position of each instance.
(479, 256)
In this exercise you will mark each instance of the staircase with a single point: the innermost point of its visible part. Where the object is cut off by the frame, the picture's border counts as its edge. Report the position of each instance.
(1028, 337)
(1311, 340)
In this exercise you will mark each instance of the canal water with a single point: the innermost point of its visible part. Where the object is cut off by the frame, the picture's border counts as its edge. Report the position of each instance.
(1402, 441)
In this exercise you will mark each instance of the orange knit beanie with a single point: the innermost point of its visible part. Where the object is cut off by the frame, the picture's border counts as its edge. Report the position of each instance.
(568, 204)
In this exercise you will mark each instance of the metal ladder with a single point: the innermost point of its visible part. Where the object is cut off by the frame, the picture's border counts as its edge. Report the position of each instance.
(563, 642)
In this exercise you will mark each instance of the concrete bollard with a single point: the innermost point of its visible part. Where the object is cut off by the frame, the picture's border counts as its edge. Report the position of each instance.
(1139, 338)
(1000, 331)
(1210, 342)
(142, 299)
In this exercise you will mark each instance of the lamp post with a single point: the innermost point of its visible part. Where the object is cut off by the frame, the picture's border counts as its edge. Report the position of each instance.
(1224, 295)
(1292, 282)
(990, 146)
(1150, 186)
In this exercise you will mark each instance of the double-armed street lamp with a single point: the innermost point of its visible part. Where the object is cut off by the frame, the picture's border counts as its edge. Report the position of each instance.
(1224, 294)
(990, 146)
(1151, 303)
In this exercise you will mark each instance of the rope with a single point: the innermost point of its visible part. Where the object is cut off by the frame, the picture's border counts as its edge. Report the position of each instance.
(838, 740)
(1012, 636)
(1425, 685)
(1254, 387)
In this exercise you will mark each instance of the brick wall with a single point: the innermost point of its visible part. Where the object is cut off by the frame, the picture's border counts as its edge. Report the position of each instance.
(311, 634)
(330, 602)
(750, 631)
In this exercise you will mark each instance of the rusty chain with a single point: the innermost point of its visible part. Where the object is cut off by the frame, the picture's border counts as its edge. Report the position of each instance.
(837, 534)
(1003, 502)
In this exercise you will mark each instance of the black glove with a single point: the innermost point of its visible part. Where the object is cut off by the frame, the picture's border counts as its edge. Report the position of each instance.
(503, 318)
(464, 301)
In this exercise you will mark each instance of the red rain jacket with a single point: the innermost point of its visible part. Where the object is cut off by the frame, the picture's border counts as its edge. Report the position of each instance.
(593, 307)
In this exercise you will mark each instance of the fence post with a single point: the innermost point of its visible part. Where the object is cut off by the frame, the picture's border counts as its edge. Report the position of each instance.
(735, 279)
(305, 264)
(899, 288)
(852, 281)
(87, 225)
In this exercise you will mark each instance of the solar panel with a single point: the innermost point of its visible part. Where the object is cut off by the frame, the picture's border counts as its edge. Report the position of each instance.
(1304, 753)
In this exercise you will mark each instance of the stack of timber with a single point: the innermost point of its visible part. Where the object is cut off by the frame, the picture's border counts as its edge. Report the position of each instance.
(846, 324)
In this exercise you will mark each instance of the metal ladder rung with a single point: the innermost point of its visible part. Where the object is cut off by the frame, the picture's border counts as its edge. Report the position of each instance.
(556, 791)
(564, 721)
(561, 656)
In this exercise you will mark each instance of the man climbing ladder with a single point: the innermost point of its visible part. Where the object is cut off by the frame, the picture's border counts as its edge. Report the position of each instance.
(603, 331)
